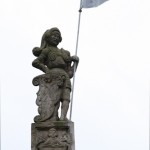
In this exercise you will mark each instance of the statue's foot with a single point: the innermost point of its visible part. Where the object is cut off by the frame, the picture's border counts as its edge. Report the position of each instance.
(62, 118)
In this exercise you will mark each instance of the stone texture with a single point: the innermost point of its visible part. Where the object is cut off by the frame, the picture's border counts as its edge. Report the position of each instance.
(52, 131)
(54, 135)
(54, 85)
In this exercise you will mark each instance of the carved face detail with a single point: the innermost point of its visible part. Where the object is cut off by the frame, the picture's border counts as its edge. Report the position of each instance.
(52, 133)
(53, 38)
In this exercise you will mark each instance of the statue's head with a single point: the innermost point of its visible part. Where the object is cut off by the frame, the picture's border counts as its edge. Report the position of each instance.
(52, 132)
(52, 37)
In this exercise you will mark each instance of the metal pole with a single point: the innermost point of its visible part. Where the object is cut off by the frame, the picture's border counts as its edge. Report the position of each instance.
(75, 65)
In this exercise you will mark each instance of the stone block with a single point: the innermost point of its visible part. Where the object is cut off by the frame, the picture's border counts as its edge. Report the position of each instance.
(53, 135)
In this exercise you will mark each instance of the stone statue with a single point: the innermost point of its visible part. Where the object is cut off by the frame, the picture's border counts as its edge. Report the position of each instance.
(54, 85)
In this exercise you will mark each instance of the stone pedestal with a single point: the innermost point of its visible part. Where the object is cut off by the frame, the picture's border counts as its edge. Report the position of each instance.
(53, 135)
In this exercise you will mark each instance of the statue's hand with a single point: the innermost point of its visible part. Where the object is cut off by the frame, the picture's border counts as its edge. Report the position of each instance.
(75, 58)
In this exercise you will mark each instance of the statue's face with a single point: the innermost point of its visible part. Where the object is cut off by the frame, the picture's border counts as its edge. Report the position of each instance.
(54, 38)
(52, 132)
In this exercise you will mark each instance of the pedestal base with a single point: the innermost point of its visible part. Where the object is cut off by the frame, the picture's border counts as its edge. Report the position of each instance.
(53, 135)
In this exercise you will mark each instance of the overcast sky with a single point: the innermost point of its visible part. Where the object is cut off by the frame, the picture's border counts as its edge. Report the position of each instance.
(111, 98)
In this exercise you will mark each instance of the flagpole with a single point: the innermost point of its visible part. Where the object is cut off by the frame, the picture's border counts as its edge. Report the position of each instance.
(75, 65)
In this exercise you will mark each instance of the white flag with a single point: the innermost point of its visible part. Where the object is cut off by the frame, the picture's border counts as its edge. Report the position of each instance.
(91, 3)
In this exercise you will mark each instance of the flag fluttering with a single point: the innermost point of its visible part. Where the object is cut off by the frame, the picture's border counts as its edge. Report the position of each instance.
(91, 3)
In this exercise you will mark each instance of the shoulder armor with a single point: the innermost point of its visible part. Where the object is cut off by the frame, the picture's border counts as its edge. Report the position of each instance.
(65, 51)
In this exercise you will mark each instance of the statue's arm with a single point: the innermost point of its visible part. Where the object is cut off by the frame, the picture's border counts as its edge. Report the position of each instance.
(39, 62)
(73, 68)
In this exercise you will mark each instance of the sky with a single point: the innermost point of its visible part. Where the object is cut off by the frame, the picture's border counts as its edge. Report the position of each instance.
(112, 85)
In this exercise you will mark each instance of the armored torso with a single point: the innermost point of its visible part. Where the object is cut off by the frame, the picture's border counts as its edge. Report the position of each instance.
(57, 58)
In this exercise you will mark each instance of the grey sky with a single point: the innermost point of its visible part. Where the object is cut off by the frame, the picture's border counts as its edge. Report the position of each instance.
(111, 101)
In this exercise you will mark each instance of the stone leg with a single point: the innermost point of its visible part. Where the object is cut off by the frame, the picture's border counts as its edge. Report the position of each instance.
(64, 109)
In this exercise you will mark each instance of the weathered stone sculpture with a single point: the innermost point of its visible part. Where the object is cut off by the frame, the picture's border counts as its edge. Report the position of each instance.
(54, 88)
